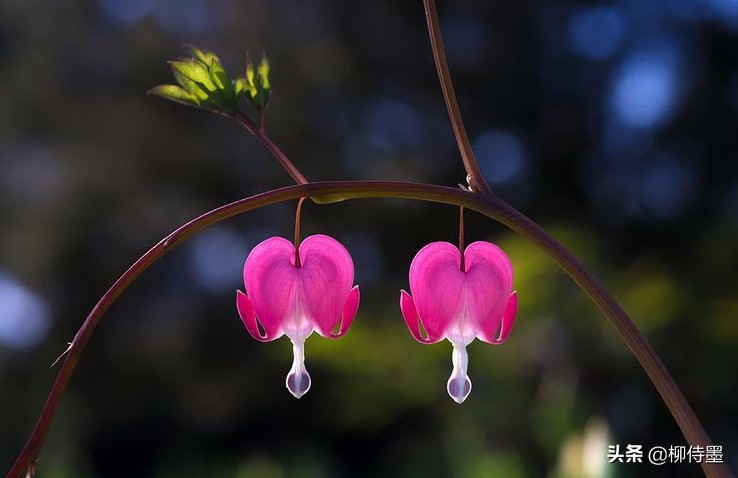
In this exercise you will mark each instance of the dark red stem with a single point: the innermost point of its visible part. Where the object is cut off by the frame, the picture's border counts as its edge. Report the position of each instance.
(297, 232)
(338, 191)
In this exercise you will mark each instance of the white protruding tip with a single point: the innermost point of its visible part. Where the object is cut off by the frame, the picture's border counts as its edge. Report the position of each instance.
(298, 379)
(459, 385)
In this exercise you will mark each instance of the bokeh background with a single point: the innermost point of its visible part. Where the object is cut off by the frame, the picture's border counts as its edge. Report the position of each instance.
(612, 123)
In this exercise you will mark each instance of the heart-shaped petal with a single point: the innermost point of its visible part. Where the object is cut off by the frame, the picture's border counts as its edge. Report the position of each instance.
(271, 281)
(437, 286)
(325, 279)
(285, 299)
(488, 286)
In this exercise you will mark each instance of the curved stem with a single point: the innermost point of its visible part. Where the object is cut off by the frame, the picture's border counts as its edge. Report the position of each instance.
(267, 142)
(475, 178)
(680, 409)
(657, 372)
(337, 191)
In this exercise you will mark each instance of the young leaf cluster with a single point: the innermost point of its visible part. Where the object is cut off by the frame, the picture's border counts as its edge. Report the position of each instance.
(203, 82)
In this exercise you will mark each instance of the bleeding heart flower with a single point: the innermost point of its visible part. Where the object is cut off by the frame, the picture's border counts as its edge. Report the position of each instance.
(295, 300)
(460, 303)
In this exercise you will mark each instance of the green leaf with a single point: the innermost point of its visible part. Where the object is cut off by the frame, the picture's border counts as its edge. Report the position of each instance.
(174, 93)
(221, 79)
(195, 71)
(219, 75)
(201, 54)
(193, 88)
(241, 85)
(243, 89)
(263, 70)
(258, 85)
(249, 71)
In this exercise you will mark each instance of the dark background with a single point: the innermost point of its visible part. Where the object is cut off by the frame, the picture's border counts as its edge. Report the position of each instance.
(613, 124)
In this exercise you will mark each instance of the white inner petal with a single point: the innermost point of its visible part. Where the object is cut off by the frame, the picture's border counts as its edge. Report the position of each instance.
(297, 326)
(298, 379)
(462, 330)
(459, 384)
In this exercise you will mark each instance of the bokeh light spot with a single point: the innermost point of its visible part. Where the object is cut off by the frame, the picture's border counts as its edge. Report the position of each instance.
(724, 11)
(184, 16)
(501, 155)
(216, 257)
(25, 317)
(597, 32)
(392, 124)
(644, 90)
(127, 11)
(689, 10)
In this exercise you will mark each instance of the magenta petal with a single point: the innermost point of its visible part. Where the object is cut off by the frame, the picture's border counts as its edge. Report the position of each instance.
(271, 283)
(326, 277)
(493, 260)
(248, 317)
(488, 282)
(437, 285)
(410, 314)
(349, 312)
(508, 319)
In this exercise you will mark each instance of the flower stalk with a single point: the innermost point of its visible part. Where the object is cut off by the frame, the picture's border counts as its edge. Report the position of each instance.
(298, 214)
(462, 265)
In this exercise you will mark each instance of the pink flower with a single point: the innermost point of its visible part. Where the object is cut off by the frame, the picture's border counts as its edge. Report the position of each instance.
(460, 304)
(285, 299)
